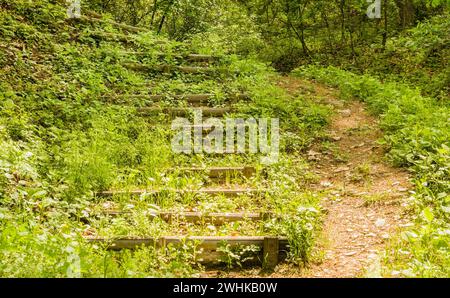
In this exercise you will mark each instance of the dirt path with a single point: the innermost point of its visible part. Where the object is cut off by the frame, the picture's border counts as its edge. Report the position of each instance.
(364, 194)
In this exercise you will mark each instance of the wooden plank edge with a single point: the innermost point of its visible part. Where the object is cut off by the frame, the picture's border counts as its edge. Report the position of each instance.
(273, 249)
(166, 68)
(189, 57)
(216, 218)
(217, 172)
(126, 27)
(197, 98)
(206, 111)
(225, 192)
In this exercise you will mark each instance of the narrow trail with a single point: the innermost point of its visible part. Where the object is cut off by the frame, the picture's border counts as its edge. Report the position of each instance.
(365, 196)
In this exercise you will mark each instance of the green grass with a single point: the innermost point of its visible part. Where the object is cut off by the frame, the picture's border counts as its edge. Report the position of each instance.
(62, 140)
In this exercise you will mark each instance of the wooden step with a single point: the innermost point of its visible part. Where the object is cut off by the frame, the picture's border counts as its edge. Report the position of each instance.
(272, 249)
(145, 86)
(205, 242)
(198, 217)
(189, 57)
(184, 112)
(218, 172)
(190, 98)
(112, 36)
(205, 191)
(188, 69)
(204, 127)
(119, 37)
(125, 27)
(166, 68)
(201, 58)
(215, 218)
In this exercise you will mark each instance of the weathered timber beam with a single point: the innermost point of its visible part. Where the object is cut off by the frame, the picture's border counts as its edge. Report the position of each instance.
(218, 172)
(273, 249)
(165, 68)
(206, 191)
(190, 98)
(218, 218)
(206, 111)
(126, 27)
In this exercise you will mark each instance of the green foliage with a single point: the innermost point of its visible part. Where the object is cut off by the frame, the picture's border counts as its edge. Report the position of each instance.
(409, 40)
(419, 56)
(32, 250)
(301, 233)
(69, 128)
(237, 255)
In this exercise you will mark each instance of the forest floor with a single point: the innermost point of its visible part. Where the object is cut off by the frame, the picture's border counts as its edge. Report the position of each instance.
(365, 195)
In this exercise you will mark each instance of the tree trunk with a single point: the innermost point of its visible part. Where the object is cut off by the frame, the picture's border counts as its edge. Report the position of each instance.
(155, 7)
(161, 23)
(342, 10)
(166, 12)
(385, 30)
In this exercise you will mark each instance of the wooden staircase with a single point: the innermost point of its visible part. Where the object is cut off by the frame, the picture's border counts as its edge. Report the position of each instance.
(272, 248)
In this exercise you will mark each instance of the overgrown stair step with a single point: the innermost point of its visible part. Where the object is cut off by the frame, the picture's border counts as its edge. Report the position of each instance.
(184, 112)
(128, 39)
(190, 98)
(204, 127)
(188, 57)
(216, 218)
(201, 58)
(99, 19)
(166, 68)
(219, 172)
(228, 192)
(271, 249)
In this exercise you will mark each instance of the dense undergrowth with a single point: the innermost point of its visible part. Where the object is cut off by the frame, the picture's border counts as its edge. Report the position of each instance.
(339, 34)
(69, 128)
(67, 131)
(418, 57)
(417, 134)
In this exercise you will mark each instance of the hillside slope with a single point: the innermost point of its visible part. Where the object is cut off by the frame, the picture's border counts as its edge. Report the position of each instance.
(85, 113)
